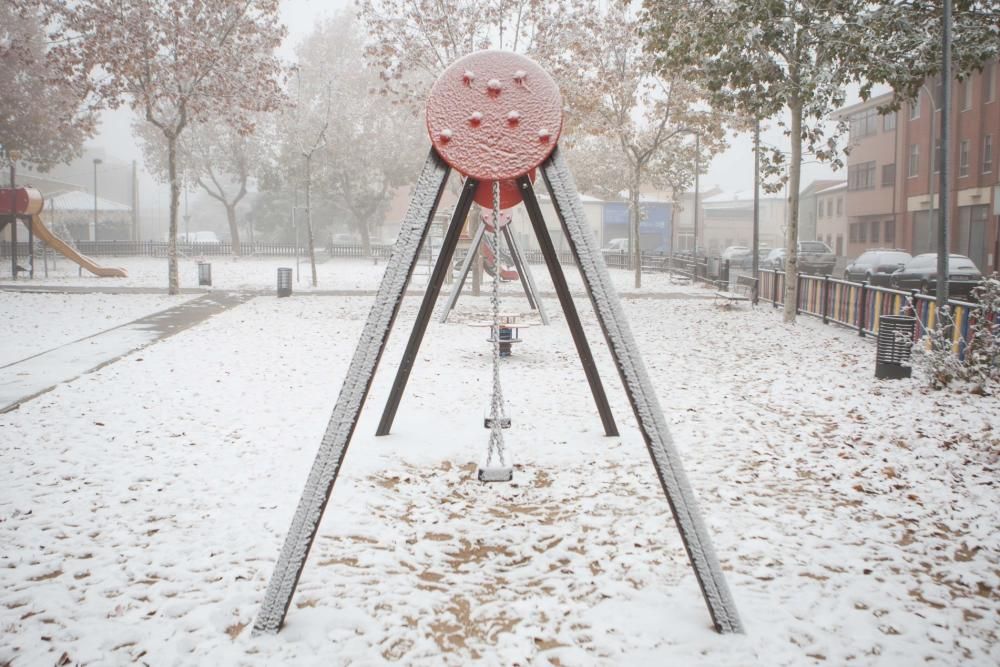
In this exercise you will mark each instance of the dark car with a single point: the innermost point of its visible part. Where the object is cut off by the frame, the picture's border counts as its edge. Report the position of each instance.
(877, 266)
(814, 257)
(920, 273)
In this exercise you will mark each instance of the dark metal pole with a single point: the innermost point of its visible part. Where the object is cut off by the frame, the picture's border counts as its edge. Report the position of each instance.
(569, 308)
(93, 235)
(13, 221)
(697, 169)
(756, 209)
(944, 212)
(427, 305)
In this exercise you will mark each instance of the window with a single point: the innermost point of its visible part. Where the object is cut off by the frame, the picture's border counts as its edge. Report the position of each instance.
(963, 158)
(938, 156)
(862, 232)
(853, 233)
(989, 87)
(888, 175)
(890, 233)
(966, 94)
(819, 209)
(987, 153)
(864, 123)
(913, 161)
(889, 121)
(840, 210)
(915, 107)
(829, 208)
(875, 226)
(861, 176)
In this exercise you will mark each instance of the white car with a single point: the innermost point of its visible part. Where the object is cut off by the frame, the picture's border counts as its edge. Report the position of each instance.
(616, 245)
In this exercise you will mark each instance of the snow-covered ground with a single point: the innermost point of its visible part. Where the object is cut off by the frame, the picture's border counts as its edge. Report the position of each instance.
(142, 506)
(338, 273)
(34, 323)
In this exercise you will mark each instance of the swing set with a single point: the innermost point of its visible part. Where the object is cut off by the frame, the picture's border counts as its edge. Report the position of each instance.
(495, 117)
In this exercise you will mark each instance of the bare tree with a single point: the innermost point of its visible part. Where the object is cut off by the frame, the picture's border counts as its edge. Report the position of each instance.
(176, 62)
(612, 92)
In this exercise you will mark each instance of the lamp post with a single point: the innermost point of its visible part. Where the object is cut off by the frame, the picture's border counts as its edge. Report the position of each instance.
(93, 230)
(697, 171)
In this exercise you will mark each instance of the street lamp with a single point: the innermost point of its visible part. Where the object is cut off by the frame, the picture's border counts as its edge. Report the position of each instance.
(93, 231)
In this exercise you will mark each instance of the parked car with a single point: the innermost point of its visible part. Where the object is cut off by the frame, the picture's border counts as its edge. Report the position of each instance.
(814, 257)
(616, 245)
(920, 273)
(734, 252)
(877, 266)
(206, 238)
(775, 260)
(746, 261)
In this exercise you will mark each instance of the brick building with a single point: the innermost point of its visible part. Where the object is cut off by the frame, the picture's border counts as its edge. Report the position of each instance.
(891, 198)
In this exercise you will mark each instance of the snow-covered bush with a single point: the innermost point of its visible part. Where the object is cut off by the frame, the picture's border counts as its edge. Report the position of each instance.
(979, 371)
(982, 354)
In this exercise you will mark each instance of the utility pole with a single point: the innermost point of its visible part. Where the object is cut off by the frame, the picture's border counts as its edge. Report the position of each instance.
(756, 207)
(93, 231)
(944, 245)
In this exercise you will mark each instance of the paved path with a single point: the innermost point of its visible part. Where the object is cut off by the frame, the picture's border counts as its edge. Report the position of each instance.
(38, 374)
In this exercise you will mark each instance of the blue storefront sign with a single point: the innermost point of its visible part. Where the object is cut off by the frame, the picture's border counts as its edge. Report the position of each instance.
(655, 228)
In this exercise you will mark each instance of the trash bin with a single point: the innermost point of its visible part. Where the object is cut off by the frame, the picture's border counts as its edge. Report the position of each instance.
(284, 282)
(895, 338)
(205, 273)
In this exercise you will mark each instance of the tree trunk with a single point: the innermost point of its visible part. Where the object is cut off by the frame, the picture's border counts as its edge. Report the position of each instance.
(791, 242)
(309, 224)
(234, 230)
(366, 238)
(173, 284)
(636, 220)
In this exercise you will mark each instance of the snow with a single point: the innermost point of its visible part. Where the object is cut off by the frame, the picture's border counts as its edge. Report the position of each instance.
(142, 506)
(35, 323)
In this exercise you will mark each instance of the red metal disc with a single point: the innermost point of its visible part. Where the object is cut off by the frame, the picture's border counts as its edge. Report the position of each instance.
(494, 115)
(510, 194)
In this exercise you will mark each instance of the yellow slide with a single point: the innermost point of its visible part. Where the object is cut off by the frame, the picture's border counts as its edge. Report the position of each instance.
(60, 246)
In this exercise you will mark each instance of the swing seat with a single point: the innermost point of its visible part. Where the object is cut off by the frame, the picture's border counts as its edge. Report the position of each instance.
(488, 422)
(495, 473)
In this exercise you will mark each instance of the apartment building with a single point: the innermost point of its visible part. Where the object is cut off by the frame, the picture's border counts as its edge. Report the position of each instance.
(809, 210)
(893, 176)
(831, 217)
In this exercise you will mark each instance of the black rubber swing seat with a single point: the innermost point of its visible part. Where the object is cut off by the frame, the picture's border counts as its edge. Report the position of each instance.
(488, 422)
(495, 474)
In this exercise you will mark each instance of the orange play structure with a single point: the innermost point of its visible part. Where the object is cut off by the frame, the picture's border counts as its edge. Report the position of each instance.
(26, 204)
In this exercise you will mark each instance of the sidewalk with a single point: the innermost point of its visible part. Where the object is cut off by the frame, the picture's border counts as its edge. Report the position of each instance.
(38, 374)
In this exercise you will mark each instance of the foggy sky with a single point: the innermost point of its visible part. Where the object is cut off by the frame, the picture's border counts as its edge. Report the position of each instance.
(731, 171)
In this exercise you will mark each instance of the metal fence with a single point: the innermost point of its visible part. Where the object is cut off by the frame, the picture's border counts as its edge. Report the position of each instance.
(859, 305)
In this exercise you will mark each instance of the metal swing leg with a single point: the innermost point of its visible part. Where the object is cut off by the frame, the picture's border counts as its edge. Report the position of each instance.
(442, 266)
(569, 308)
(640, 392)
(524, 273)
(343, 420)
(456, 289)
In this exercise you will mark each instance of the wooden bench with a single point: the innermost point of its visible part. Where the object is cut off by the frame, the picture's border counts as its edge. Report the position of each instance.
(741, 291)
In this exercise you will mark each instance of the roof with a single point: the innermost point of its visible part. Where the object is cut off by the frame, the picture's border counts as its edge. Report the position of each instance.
(739, 198)
(844, 112)
(82, 201)
(833, 188)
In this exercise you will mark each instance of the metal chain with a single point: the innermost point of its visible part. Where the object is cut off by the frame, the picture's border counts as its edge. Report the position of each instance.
(496, 404)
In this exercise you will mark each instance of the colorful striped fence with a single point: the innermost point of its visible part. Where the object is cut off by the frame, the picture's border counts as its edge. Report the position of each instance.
(859, 305)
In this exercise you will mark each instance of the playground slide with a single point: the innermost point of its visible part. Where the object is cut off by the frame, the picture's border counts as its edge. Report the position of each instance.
(60, 246)
(506, 272)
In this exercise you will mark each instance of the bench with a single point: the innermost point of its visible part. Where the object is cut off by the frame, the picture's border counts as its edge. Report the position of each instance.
(742, 290)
